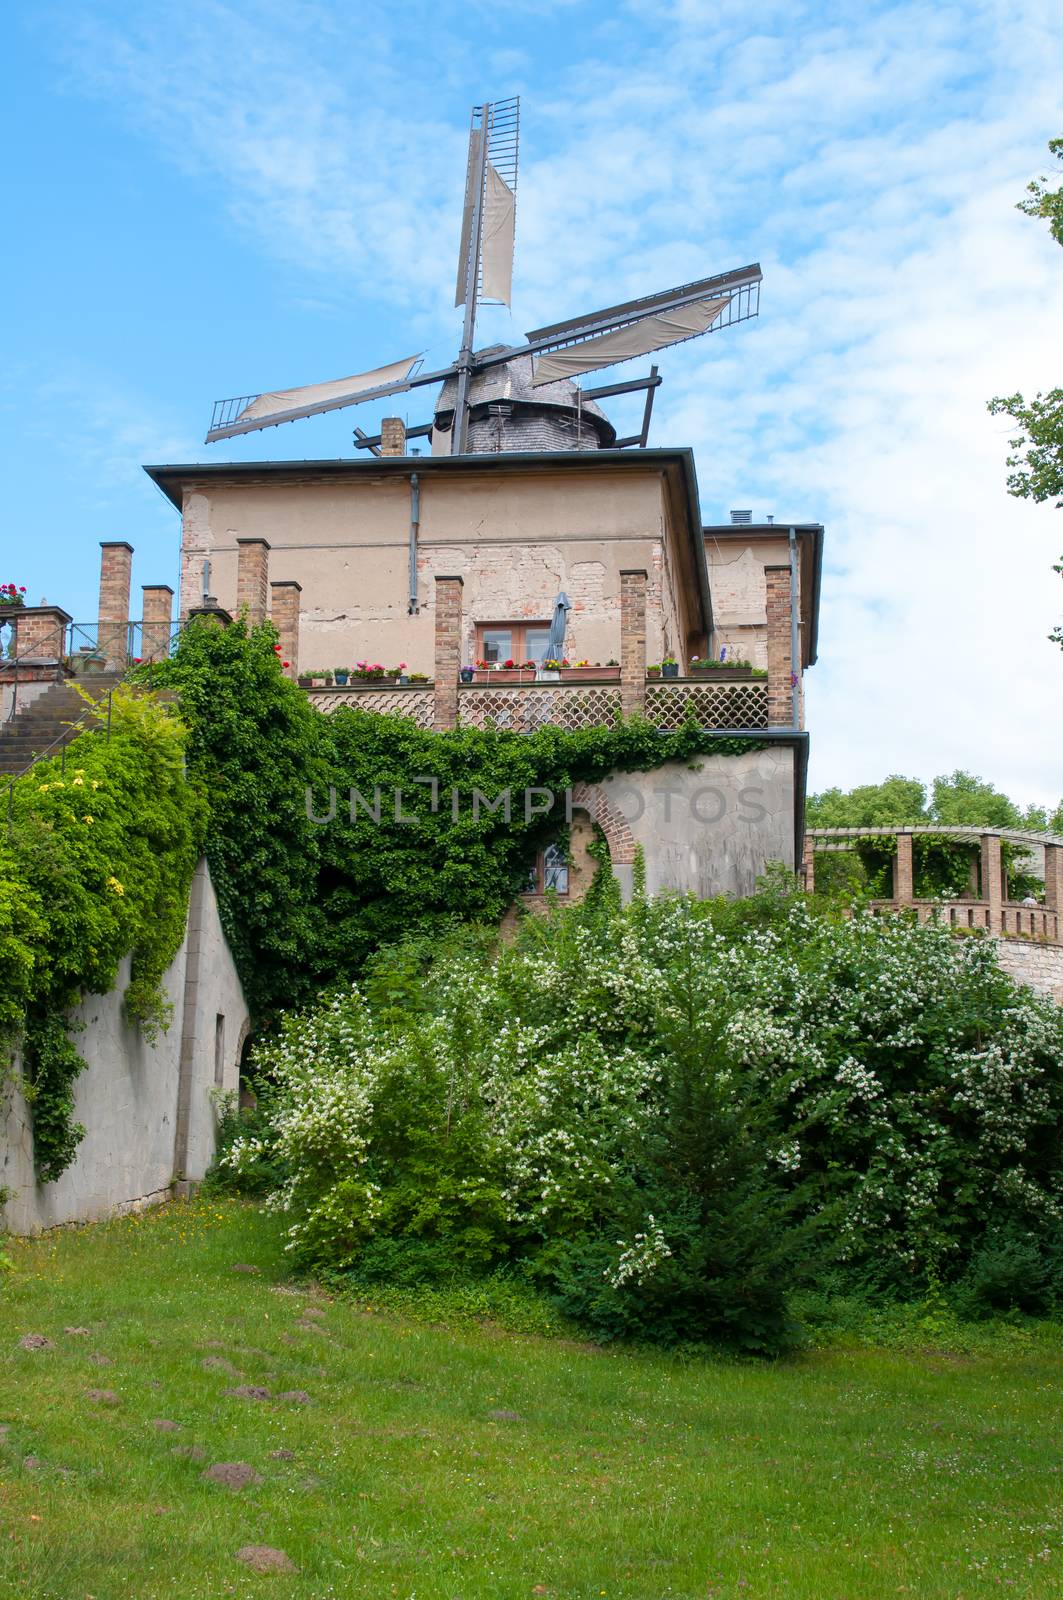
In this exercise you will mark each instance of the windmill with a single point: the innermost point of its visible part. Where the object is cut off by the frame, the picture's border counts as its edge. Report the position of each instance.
(562, 350)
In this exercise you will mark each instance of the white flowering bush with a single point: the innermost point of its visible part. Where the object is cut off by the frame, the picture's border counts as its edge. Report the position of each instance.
(666, 1115)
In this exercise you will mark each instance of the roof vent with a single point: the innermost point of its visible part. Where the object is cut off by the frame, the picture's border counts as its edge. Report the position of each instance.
(742, 517)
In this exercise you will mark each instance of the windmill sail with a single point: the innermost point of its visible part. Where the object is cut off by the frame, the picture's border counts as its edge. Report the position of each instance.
(473, 179)
(249, 412)
(496, 257)
(636, 339)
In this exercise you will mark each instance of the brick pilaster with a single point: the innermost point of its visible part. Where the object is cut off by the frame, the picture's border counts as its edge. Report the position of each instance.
(284, 614)
(392, 437)
(157, 615)
(633, 641)
(1054, 877)
(448, 650)
(808, 865)
(992, 879)
(116, 570)
(252, 578)
(780, 654)
(40, 632)
(903, 874)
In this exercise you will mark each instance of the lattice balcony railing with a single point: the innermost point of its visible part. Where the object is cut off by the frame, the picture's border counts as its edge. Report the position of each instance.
(522, 710)
(713, 705)
(416, 703)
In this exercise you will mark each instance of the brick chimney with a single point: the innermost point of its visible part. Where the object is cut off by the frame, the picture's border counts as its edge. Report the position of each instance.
(252, 578)
(116, 567)
(392, 437)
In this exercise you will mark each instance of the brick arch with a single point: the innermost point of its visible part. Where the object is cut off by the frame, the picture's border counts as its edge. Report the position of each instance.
(613, 823)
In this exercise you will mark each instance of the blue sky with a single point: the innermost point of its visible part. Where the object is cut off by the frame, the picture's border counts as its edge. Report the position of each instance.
(213, 199)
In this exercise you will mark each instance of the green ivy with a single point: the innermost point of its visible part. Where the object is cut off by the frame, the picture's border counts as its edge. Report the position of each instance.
(95, 867)
(304, 904)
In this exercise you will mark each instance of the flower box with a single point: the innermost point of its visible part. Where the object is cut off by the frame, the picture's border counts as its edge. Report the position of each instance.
(590, 674)
(502, 675)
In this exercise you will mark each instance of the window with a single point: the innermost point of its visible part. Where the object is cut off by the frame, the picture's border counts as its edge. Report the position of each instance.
(549, 871)
(219, 1048)
(511, 641)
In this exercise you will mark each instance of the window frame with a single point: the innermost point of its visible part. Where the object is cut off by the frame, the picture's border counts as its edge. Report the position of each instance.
(539, 868)
(518, 632)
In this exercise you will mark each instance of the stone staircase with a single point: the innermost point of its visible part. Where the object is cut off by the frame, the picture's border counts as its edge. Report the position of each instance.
(43, 725)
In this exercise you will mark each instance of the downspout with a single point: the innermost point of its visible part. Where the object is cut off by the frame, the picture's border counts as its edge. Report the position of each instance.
(795, 634)
(415, 526)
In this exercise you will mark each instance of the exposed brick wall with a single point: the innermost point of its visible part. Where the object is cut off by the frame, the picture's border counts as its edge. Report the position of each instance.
(903, 876)
(284, 614)
(40, 631)
(116, 570)
(392, 437)
(252, 578)
(157, 614)
(447, 650)
(992, 878)
(780, 656)
(612, 822)
(633, 640)
(1054, 876)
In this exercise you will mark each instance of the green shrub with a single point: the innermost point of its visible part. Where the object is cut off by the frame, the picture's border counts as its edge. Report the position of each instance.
(671, 1117)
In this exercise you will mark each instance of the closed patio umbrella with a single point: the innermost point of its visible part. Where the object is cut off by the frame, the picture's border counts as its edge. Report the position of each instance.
(555, 648)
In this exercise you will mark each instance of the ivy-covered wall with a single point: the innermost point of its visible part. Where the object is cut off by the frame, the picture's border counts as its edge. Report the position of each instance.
(95, 869)
(303, 903)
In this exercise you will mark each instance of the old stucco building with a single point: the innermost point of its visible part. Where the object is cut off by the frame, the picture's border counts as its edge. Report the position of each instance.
(440, 562)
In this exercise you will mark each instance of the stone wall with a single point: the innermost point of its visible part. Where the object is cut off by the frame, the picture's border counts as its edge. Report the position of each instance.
(1039, 965)
(146, 1108)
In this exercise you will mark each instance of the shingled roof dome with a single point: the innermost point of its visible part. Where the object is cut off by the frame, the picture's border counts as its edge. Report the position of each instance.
(507, 413)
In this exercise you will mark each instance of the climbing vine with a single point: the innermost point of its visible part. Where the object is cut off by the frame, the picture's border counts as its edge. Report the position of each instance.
(95, 866)
(305, 902)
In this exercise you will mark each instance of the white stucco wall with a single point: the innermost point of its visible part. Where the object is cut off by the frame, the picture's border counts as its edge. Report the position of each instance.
(712, 825)
(128, 1096)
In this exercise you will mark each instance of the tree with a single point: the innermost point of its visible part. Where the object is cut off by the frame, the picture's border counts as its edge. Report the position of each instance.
(1037, 460)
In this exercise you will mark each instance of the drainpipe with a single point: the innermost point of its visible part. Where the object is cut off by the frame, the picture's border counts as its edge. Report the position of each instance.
(415, 525)
(795, 633)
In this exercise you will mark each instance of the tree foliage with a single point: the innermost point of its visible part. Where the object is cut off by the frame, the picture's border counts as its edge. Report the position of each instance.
(1036, 463)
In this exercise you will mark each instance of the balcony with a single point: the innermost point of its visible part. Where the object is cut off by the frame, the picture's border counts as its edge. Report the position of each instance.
(524, 707)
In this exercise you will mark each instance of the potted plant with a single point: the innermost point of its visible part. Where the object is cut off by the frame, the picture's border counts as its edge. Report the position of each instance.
(399, 673)
(367, 672)
(465, 674)
(341, 674)
(669, 667)
(422, 677)
(12, 596)
(654, 671)
(304, 680)
(722, 669)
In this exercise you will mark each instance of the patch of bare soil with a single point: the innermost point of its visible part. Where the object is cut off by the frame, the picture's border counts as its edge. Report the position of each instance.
(234, 1475)
(263, 1558)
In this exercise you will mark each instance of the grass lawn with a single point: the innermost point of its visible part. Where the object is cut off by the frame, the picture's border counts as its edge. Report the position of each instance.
(475, 1463)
